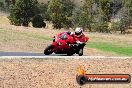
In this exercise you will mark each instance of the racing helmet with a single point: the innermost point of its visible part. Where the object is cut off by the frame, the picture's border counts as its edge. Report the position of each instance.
(78, 31)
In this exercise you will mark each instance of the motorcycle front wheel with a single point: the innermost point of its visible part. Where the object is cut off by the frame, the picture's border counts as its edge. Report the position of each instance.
(48, 50)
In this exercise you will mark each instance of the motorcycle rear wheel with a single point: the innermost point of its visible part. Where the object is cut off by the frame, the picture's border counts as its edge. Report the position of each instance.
(48, 50)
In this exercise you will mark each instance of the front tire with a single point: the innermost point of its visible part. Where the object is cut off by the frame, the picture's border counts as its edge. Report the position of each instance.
(48, 50)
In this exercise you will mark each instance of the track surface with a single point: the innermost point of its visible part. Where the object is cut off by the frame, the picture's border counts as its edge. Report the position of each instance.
(20, 54)
(41, 55)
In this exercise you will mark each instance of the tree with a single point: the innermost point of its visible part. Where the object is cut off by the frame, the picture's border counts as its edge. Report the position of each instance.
(2, 7)
(69, 6)
(106, 9)
(38, 21)
(13, 2)
(60, 12)
(9, 2)
(43, 7)
(22, 12)
(83, 17)
(55, 10)
(105, 13)
(128, 5)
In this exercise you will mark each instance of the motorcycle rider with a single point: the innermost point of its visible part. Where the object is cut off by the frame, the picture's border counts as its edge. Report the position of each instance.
(79, 36)
(80, 39)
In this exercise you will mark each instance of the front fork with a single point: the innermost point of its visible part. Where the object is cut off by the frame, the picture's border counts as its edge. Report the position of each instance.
(78, 47)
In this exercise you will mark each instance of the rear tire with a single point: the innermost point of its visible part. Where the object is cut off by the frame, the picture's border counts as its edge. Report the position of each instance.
(80, 53)
(48, 50)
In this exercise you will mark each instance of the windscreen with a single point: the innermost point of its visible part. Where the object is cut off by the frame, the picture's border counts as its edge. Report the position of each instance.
(63, 36)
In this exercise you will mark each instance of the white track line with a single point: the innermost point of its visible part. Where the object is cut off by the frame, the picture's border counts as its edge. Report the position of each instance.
(64, 57)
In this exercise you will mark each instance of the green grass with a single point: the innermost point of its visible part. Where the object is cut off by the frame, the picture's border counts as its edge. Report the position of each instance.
(112, 48)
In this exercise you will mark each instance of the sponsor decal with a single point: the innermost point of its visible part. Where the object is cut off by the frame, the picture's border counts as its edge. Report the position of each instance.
(82, 77)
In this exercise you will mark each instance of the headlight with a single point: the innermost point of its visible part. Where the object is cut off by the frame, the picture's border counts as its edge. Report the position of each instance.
(59, 43)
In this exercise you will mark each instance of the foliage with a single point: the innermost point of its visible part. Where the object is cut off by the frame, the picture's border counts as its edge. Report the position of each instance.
(105, 13)
(38, 21)
(43, 10)
(55, 10)
(22, 12)
(94, 19)
(60, 12)
(105, 10)
(69, 6)
(128, 5)
(126, 21)
(2, 6)
(94, 15)
(83, 17)
(102, 27)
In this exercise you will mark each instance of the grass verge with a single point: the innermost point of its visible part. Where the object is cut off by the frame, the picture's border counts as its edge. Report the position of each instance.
(11, 35)
(109, 47)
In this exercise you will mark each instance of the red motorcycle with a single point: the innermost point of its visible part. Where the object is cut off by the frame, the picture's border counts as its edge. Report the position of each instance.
(64, 43)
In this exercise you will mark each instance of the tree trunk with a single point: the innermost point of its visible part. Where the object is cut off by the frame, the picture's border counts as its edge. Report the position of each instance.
(25, 24)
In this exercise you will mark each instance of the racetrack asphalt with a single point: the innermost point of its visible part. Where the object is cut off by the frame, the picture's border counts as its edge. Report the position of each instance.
(20, 54)
(41, 55)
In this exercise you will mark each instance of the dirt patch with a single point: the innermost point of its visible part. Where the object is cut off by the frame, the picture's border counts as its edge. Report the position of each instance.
(4, 19)
(58, 73)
